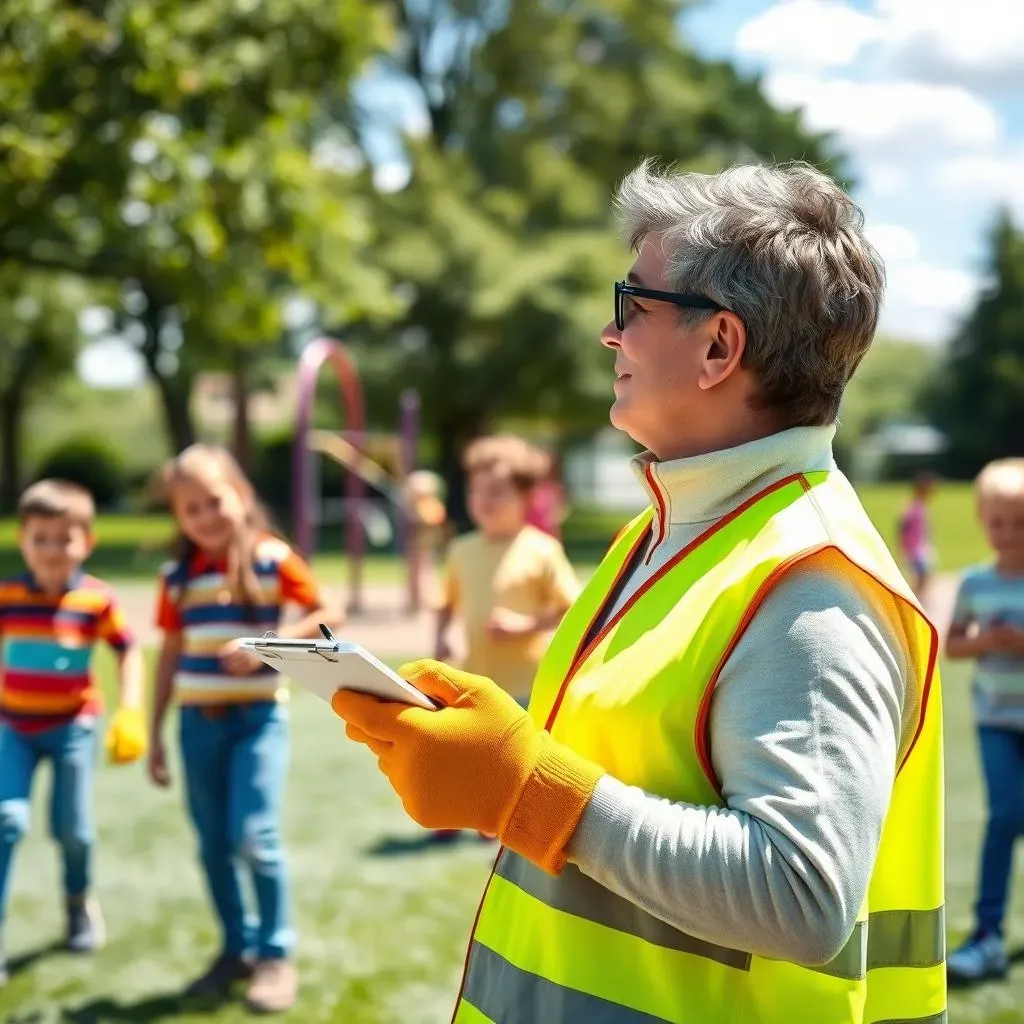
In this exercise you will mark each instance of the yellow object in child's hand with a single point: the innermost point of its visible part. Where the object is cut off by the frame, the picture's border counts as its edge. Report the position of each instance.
(126, 737)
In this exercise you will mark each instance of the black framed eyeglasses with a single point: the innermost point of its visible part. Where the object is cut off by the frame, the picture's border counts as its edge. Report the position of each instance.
(622, 290)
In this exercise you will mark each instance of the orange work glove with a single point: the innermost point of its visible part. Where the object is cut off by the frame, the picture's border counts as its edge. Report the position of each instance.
(477, 763)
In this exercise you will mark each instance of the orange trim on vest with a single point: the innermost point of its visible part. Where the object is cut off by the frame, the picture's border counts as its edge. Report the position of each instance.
(585, 649)
(662, 512)
(702, 739)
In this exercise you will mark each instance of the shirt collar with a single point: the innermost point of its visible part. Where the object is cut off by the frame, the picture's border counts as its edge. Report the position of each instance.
(201, 563)
(703, 488)
(74, 581)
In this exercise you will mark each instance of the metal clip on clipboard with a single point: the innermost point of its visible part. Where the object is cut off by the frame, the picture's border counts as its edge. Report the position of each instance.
(268, 638)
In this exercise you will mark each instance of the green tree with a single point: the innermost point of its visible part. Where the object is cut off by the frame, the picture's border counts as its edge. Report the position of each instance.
(532, 111)
(184, 150)
(39, 339)
(888, 386)
(978, 392)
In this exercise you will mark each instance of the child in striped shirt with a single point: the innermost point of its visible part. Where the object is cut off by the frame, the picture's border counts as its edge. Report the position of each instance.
(233, 578)
(988, 628)
(51, 617)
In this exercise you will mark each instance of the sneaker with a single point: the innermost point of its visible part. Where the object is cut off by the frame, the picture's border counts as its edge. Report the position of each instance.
(980, 957)
(217, 980)
(86, 930)
(274, 986)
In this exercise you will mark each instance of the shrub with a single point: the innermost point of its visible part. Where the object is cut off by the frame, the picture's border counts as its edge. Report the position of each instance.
(91, 462)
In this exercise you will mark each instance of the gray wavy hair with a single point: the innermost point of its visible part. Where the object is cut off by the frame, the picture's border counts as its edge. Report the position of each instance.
(783, 247)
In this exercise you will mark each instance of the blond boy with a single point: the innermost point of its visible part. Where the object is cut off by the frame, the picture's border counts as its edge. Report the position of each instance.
(988, 628)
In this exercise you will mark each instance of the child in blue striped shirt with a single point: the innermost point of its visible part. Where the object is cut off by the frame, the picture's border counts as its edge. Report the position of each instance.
(988, 627)
(233, 578)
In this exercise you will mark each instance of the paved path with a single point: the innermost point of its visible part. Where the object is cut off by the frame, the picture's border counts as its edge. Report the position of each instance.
(384, 628)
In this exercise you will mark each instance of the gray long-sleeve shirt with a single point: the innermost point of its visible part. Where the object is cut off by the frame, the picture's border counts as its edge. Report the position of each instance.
(807, 723)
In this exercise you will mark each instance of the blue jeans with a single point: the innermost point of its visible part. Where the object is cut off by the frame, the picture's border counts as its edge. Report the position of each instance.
(1002, 758)
(236, 763)
(71, 749)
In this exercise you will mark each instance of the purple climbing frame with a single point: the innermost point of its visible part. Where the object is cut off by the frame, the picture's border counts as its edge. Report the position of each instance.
(314, 355)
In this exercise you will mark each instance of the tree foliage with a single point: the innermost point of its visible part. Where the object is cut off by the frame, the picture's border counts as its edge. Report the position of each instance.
(39, 341)
(182, 149)
(533, 111)
(977, 397)
(887, 387)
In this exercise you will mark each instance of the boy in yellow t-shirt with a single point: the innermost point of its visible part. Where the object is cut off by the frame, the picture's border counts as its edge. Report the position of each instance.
(507, 582)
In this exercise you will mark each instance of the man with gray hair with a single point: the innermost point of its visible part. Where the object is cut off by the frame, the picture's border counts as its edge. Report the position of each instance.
(725, 803)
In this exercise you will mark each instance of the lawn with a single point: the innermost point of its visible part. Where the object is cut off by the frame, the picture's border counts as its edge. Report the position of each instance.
(383, 920)
(135, 546)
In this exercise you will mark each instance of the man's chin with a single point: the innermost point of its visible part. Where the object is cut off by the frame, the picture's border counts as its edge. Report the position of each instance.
(618, 415)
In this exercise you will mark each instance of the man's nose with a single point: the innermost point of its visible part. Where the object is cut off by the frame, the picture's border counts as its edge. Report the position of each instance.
(611, 336)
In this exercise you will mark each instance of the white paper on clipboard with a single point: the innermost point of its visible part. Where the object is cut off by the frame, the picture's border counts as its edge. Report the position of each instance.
(326, 666)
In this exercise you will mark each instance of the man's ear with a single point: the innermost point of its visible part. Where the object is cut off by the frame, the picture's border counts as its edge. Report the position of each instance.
(725, 340)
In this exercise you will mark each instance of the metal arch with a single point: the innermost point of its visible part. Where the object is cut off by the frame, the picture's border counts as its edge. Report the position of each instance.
(313, 357)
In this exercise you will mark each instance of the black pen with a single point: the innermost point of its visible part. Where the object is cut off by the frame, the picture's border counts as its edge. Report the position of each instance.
(328, 635)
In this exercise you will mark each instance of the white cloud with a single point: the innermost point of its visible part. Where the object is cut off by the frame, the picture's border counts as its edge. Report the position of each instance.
(885, 178)
(923, 301)
(807, 33)
(893, 241)
(997, 177)
(976, 43)
(908, 89)
(927, 286)
(889, 117)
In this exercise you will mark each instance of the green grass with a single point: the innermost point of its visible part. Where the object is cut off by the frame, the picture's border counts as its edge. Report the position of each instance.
(957, 535)
(382, 930)
(135, 546)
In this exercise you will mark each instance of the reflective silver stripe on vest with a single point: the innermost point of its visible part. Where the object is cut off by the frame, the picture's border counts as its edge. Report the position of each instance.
(907, 938)
(852, 960)
(575, 893)
(892, 938)
(935, 1018)
(502, 992)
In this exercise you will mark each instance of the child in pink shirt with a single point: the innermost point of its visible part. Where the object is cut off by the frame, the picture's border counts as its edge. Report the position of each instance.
(915, 535)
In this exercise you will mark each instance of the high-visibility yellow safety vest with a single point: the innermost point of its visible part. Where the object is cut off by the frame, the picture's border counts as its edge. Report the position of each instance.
(634, 697)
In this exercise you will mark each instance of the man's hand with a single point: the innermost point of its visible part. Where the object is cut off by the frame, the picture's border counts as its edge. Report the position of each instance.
(236, 660)
(126, 738)
(505, 624)
(477, 763)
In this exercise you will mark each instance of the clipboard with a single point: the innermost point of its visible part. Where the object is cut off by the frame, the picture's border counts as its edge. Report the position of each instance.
(328, 665)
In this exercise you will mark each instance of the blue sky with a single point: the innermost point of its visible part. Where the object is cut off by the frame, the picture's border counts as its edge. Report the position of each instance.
(925, 96)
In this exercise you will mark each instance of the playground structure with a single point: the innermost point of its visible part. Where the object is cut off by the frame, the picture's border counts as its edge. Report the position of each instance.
(348, 449)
